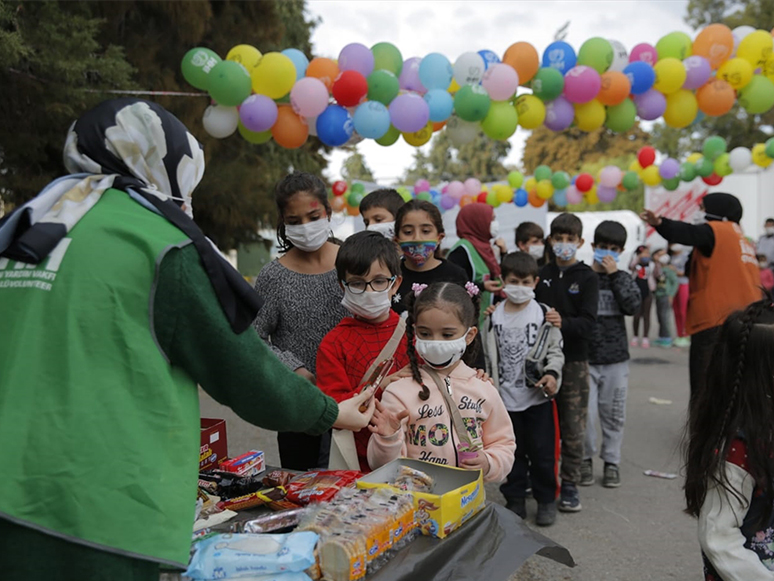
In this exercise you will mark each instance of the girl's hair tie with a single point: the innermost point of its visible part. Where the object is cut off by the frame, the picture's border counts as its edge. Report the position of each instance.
(417, 288)
(472, 289)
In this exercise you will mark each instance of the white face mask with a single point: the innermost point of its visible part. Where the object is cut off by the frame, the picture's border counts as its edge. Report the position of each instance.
(537, 251)
(769, 230)
(494, 229)
(519, 294)
(699, 218)
(664, 259)
(386, 229)
(442, 354)
(310, 236)
(367, 305)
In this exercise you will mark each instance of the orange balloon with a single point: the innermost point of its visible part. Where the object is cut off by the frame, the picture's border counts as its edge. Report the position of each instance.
(338, 203)
(523, 57)
(324, 69)
(615, 88)
(290, 131)
(534, 200)
(715, 43)
(438, 126)
(466, 199)
(353, 210)
(716, 97)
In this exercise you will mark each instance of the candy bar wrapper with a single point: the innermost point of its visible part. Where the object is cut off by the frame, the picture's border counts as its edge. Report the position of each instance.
(247, 464)
(272, 522)
(278, 478)
(258, 498)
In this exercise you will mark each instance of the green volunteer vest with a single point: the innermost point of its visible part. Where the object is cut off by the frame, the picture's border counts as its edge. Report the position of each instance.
(100, 434)
(480, 271)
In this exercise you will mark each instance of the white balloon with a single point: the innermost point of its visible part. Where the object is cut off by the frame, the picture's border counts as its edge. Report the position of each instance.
(312, 123)
(740, 158)
(220, 121)
(620, 56)
(469, 69)
(461, 132)
(739, 33)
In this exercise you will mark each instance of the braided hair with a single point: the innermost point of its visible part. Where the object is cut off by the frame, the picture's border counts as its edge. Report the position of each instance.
(737, 402)
(450, 297)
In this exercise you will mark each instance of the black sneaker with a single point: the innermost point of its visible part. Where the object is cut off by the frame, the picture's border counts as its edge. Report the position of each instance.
(611, 479)
(587, 473)
(569, 499)
(546, 514)
(518, 506)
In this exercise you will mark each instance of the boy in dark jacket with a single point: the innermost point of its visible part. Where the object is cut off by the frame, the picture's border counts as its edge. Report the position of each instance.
(572, 288)
(619, 295)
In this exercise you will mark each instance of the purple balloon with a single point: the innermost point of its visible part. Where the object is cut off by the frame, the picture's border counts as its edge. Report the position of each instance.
(606, 194)
(698, 71)
(409, 112)
(559, 114)
(447, 202)
(669, 169)
(409, 76)
(650, 105)
(581, 84)
(258, 113)
(356, 57)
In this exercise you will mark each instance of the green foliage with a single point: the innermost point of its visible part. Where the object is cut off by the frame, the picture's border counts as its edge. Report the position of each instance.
(355, 168)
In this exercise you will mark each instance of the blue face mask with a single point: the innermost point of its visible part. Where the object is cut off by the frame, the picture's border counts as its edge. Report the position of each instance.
(600, 253)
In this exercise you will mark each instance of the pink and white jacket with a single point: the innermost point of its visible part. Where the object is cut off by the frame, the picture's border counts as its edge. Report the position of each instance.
(428, 433)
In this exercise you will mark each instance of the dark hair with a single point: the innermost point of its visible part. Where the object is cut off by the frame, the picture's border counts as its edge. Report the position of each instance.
(361, 250)
(736, 403)
(385, 198)
(528, 230)
(567, 223)
(761, 257)
(642, 247)
(610, 232)
(288, 187)
(768, 220)
(448, 296)
(419, 206)
(520, 264)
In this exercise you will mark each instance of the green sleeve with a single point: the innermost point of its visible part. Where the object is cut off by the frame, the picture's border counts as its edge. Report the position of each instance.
(238, 371)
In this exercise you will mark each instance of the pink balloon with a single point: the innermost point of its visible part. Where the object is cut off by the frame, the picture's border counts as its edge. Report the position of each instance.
(472, 186)
(644, 52)
(456, 189)
(421, 185)
(606, 194)
(581, 84)
(610, 176)
(409, 76)
(574, 196)
(309, 97)
(500, 81)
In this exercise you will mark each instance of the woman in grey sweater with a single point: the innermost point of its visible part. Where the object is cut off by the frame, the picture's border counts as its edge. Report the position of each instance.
(302, 297)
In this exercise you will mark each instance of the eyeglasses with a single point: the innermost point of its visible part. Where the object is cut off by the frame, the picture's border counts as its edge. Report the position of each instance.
(377, 285)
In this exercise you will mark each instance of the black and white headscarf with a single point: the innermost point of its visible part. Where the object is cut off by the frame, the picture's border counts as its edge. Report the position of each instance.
(141, 148)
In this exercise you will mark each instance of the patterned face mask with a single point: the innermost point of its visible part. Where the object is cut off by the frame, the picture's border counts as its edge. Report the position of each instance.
(419, 251)
(565, 250)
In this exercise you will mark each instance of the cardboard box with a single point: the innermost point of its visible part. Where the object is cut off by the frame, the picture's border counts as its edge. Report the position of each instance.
(214, 445)
(457, 496)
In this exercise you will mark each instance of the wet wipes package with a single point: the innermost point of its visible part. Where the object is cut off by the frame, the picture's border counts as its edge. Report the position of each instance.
(278, 577)
(240, 556)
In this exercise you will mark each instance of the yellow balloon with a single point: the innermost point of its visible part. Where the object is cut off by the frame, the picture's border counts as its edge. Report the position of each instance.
(248, 56)
(650, 176)
(759, 156)
(591, 196)
(737, 72)
(636, 167)
(274, 76)
(419, 137)
(504, 193)
(590, 116)
(453, 87)
(694, 157)
(545, 189)
(530, 184)
(755, 48)
(531, 110)
(670, 75)
(768, 68)
(681, 109)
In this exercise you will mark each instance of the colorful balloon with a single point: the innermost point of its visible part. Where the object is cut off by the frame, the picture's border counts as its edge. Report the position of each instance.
(500, 81)
(338, 204)
(461, 132)
(300, 62)
(254, 137)
(740, 158)
(515, 179)
(258, 113)
(547, 84)
(621, 117)
(523, 57)
(383, 86)
(681, 109)
(229, 83)
(324, 69)
(309, 97)
(756, 48)
(220, 121)
(409, 76)
(290, 131)
(560, 180)
(737, 72)
(650, 176)
(676, 45)
(644, 52)
(471, 103)
(671, 184)
(606, 194)
(490, 57)
(712, 180)
(641, 76)
(704, 167)
(669, 168)
(650, 105)
(350, 89)
(770, 147)
(758, 96)
(334, 126)
(560, 56)
(196, 66)
(521, 197)
(469, 69)
(614, 88)
(722, 165)
(389, 138)
(630, 180)
(544, 189)
(387, 57)
(714, 147)
(274, 76)
(670, 75)
(584, 182)
(531, 110)
(440, 104)
(596, 53)
(418, 138)
(581, 84)
(589, 116)
(716, 97)
(620, 56)
(435, 71)
(687, 172)
(409, 113)
(715, 43)
(472, 186)
(759, 156)
(356, 57)
(246, 55)
(543, 172)
(574, 196)
(371, 120)
(646, 156)
(501, 121)
(610, 176)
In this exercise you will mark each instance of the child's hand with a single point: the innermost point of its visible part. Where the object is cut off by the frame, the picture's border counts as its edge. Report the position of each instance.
(553, 317)
(548, 384)
(650, 218)
(385, 423)
(489, 310)
(483, 376)
(304, 372)
(480, 462)
(610, 265)
(493, 286)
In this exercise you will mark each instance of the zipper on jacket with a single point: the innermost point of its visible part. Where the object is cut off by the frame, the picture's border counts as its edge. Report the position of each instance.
(447, 382)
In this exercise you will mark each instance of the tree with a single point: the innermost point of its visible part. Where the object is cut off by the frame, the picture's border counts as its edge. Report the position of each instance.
(355, 168)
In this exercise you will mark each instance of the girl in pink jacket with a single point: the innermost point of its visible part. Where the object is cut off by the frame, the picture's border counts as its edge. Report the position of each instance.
(413, 419)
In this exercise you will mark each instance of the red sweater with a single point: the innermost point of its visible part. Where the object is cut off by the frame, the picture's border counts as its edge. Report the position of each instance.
(344, 356)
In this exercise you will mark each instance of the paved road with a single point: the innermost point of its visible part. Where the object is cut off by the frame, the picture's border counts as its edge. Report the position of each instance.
(636, 532)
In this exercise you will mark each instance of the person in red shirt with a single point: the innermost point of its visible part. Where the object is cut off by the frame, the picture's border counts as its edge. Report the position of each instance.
(369, 271)
(767, 276)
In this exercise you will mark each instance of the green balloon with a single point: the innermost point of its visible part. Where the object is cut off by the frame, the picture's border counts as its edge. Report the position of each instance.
(671, 184)
(714, 147)
(757, 96)
(722, 167)
(674, 45)
(197, 65)
(621, 117)
(516, 178)
(560, 180)
(547, 84)
(283, 100)
(687, 172)
(256, 137)
(501, 121)
(770, 147)
(542, 172)
(358, 188)
(492, 199)
(630, 180)
(354, 199)
(383, 86)
(425, 196)
(704, 167)
(471, 103)
(390, 137)
(596, 53)
(404, 193)
(229, 83)
(387, 57)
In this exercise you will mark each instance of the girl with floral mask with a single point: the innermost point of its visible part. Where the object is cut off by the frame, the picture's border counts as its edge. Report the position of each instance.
(419, 232)
(302, 296)
(415, 419)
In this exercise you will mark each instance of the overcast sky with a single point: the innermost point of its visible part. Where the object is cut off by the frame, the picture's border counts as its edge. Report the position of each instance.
(419, 27)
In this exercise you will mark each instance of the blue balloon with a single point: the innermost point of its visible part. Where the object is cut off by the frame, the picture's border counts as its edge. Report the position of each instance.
(560, 56)
(436, 196)
(560, 198)
(334, 126)
(299, 61)
(490, 57)
(440, 103)
(435, 71)
(641, 76)
(520, 197)
(371, 119)
(699, 118)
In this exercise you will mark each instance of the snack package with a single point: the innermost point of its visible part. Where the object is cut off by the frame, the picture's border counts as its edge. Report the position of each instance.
(247, 464)
(273, 497)
(273, 522)
(278, 478)
(411, 480)
(321, 485)
(279, 577)
(238, 556)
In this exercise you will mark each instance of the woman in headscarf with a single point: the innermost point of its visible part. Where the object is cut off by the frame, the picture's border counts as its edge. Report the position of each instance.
(114, 306)
(723, 273)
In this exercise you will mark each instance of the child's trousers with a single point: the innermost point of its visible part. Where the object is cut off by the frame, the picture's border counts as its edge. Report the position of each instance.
(664, 312)
(607, 407)
(573, 403)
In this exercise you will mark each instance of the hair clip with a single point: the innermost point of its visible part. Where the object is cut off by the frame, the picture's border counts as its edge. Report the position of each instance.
(472, 289)
(417, 288)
